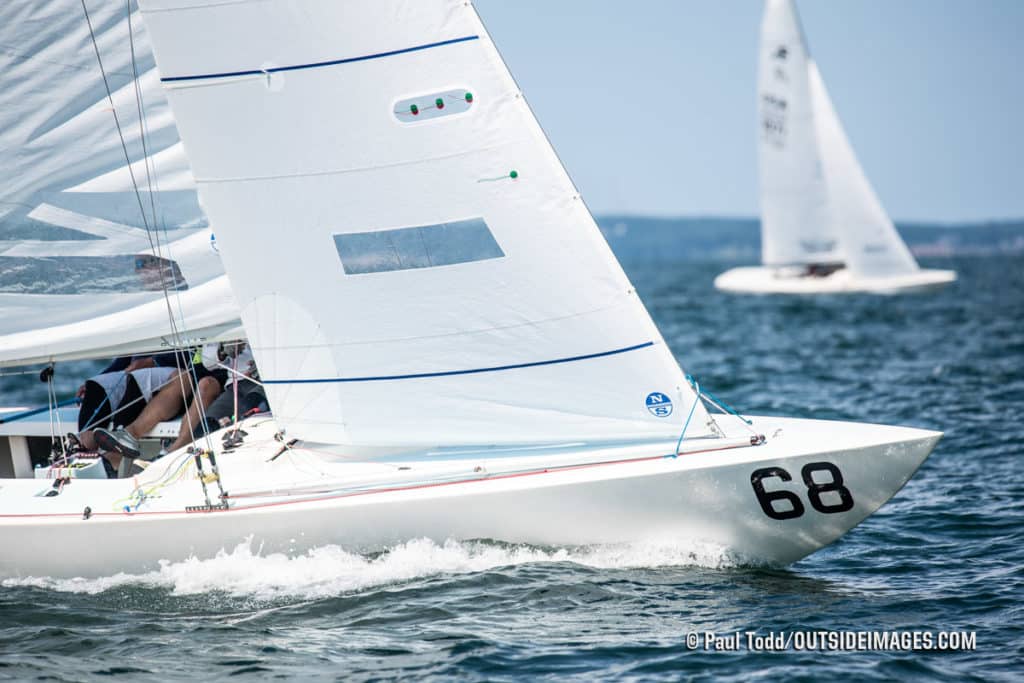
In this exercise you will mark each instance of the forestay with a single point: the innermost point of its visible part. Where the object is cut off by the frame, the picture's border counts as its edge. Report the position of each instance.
(796, 219)
(434, 276)
(83, 259)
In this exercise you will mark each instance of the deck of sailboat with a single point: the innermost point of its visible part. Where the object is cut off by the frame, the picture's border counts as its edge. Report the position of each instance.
(265, 469)
(774, 280)
(288, 500)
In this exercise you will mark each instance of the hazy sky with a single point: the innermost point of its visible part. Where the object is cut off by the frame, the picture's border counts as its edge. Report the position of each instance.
(651, 103)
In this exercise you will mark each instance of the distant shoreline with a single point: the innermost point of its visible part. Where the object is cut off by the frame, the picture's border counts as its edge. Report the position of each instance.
(739, 239)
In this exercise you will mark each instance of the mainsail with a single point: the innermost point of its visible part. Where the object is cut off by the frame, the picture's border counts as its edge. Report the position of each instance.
(796, 221)
(817, 204)
(412, 262)
(85, 259)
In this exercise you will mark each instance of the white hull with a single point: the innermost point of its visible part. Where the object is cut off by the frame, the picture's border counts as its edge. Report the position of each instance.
(561, 495)
(791, 280)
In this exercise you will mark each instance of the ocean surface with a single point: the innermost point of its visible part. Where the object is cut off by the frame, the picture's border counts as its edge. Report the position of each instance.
(946, 555)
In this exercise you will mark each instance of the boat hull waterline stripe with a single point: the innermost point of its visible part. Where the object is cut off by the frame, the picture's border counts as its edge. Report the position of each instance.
(450, 373)
(317, 65)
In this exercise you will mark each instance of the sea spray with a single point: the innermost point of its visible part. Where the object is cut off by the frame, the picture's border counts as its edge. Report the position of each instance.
(330, 570)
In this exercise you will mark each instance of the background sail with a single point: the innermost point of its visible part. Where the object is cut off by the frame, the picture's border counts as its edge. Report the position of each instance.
(80, 273)
(796, 221)
(871, 245)
(436, 278)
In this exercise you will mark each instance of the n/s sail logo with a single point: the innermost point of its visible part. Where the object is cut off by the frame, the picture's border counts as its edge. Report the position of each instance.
(659, 404)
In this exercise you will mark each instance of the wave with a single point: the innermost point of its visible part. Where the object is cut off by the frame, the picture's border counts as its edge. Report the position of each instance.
(330, 570)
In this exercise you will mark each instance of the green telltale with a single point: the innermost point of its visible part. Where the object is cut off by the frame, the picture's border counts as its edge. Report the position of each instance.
(513, 175)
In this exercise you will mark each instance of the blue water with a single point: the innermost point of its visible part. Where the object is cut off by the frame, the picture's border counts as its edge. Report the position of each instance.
(945, 555)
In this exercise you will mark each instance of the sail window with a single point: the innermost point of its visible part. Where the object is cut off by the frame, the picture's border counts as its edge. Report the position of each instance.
(425, 246)
(89, 274)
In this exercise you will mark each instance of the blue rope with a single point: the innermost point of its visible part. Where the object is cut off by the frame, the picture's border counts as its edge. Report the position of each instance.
(696, 400)
(36, 411)
(725, 406)
(695, 385)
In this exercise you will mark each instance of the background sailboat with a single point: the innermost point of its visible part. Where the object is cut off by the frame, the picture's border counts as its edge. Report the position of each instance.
(823, 228)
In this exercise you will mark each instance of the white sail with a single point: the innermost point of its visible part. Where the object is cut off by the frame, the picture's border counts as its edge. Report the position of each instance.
(82, 271)
(871, 245)
(817, 204)
(796, 218)
(412, 262)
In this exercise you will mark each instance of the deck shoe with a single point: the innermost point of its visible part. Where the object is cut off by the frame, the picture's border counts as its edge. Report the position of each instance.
(73, 444)
(119, 441)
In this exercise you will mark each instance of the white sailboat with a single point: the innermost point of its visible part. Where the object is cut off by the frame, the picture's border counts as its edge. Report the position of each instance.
(449, 348)
(823, 229)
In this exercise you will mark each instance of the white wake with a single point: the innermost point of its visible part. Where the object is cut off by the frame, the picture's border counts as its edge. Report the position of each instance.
(329, 570)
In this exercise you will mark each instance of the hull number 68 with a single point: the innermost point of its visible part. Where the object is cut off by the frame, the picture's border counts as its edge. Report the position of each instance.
(825, 492)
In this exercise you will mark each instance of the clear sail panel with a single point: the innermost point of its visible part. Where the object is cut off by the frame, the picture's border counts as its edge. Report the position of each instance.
(81, 250)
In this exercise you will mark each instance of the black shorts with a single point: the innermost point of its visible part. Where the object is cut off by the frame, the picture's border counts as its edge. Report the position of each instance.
(96, 410)
(219, 374)
(250, 395)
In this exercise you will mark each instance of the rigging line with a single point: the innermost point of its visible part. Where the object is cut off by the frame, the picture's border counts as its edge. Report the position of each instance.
(240, 374)
(696, 400)
(234, 385)
(51, 409)
(708, 397)
(140, 105)
(175, 332)
(193, 379)
(156, 250)
(60, 422)
(150, 179)
(19, 372)
(117, 122)
(141, 108)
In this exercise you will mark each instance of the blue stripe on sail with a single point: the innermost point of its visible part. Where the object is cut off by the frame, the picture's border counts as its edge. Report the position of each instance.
(449, 373)
(317, 65)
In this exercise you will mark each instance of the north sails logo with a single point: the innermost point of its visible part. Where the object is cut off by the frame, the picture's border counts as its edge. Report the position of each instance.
(659, 404)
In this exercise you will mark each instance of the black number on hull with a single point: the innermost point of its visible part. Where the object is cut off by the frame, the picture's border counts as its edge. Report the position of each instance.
(815, 490)
(768, 498)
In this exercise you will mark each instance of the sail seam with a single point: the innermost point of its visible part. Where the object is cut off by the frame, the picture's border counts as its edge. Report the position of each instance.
(317, 65)
(343, 171)
(450, 373)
